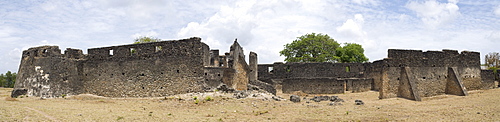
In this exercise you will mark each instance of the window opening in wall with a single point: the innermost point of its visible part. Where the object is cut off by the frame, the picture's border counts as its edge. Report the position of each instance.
(143, 87)
(110, 52)
(218, 74)
(157, 48)
(423, 77)
(206, 74)
(270, 69)
(161, 87)
(132, 51)
(288, 69)
(44, 51)
(347, 69)
(123, 73)
(177, 71)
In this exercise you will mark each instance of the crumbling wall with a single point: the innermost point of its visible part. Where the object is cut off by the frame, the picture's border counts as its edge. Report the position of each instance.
(287, 75)
(147, 69)
(45, 72)
(427, 70)
(314, 85)
(236, 61)
(488, 79)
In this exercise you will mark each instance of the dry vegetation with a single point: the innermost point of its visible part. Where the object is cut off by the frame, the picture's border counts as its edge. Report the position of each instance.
(478, 106)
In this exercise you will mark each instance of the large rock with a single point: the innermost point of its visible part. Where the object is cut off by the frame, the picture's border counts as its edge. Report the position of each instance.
(336, 99)
(295, 98)
(18, 92)
(359, 102)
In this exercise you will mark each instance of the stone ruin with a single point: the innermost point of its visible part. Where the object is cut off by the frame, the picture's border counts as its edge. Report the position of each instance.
(410, 74)
(188, 65)
(136, 70)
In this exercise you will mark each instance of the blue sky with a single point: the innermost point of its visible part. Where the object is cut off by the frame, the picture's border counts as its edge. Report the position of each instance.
(260, 26)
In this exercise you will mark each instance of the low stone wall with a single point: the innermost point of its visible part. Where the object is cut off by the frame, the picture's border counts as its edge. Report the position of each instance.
(314, 85)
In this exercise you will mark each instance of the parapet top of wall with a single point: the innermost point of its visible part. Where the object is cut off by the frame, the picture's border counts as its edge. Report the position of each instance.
(191, 46)
(53, 51)
(404, 53)
(417, 58)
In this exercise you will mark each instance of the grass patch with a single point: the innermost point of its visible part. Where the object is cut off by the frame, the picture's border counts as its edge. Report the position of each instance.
(120, 118)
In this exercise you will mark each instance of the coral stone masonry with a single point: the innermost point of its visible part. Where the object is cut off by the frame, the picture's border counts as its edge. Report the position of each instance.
(188, 65)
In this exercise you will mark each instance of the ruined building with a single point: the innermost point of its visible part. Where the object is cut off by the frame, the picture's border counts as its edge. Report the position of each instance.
(136, 70)
(188, 65)
(411, 74)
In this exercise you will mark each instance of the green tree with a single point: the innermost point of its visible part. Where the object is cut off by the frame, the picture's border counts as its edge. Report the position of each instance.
(311, 48)
(492, 60)
(321, 48)
(10, 79)
(145, 39)
(351, 53)
(2, 80)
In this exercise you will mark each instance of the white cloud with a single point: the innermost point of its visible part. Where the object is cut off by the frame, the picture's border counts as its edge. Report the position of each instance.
(497, 10)
(145, 34)
(353, 27)
(434, 13)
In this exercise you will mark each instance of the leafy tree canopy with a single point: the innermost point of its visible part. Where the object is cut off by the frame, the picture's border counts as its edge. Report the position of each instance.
(321, 48)
(146, 39)
(351, 52)
(311, 48)
(8, 80)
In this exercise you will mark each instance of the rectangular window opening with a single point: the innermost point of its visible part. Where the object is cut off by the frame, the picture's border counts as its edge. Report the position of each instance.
(110, 52)
(270, 69)
(347, 69)
(132, 51)
(158, 48)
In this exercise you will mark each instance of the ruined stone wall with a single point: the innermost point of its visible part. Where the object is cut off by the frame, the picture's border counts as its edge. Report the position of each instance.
(314, 85)
(45, 72)
(147, 69)
(239, 74)
(488, 79)
(289, 74)
(427, 70)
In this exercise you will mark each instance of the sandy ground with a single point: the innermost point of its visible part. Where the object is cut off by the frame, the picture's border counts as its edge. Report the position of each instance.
(483, 105)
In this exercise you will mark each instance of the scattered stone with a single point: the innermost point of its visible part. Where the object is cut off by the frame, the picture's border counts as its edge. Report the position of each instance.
(240, 94)
(295, 98)
(327, 98)
(252, 87)
(334, 103)
(359, 102)
(320, 98)
(224, 88)
(336, 99)
(276, 98)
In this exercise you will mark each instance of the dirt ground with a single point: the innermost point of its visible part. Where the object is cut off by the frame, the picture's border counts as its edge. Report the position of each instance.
(483, 105)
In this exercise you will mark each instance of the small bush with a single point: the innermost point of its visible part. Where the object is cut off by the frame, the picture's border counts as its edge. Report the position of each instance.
(208, 98)
(196, 101)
